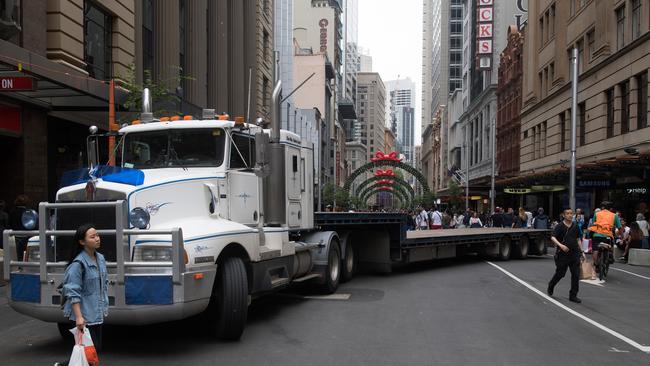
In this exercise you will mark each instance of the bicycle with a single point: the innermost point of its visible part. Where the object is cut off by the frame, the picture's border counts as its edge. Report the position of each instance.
(602, 264)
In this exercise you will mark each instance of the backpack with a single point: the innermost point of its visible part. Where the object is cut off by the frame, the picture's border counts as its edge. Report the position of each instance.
(541, 223)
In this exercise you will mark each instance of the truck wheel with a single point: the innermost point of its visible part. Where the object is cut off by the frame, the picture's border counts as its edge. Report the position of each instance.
(540, 245)
(349, 264)
(64, 331)
(522, 248)
(504, 249)
(231, 304)
(333, 269)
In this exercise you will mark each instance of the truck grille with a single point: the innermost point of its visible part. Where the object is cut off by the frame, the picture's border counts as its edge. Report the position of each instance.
(102, 217)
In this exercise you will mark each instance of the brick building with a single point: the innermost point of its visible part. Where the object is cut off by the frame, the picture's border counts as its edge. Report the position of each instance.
(509, 108)
(613, 136)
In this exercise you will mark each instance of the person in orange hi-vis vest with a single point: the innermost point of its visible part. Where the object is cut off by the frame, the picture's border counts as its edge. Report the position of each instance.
(602, 229)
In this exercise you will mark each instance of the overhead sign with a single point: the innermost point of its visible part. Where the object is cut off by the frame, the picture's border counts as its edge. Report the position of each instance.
(16, 83)
(485, 32)
(323, 23)
(595, 183)
(547, 188)
(517, 190)
(10, 121)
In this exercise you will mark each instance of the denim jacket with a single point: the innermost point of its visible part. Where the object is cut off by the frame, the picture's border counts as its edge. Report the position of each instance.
(87, 284)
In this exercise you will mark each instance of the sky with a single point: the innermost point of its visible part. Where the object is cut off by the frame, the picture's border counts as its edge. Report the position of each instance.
(391, 31)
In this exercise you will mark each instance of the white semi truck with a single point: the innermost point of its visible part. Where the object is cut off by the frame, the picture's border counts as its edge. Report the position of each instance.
(199, 216)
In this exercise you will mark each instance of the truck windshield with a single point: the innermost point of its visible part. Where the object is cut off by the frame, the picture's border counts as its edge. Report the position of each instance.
(174, 148)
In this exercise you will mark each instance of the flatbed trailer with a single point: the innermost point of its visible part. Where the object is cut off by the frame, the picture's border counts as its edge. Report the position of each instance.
(382, 241)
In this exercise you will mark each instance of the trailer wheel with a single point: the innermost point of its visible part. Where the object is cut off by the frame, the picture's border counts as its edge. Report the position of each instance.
(64, 331)
(231, 303)
(504, 248)
(333, 269)
(540, 245)
(349, 263)
(522, 247)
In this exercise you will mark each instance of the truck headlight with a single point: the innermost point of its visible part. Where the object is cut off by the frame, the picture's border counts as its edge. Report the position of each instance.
(33, 254)
(156, 254)
(29, 219)
(139, 217)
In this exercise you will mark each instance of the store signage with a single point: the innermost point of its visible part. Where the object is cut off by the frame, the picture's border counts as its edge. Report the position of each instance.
(323, 23)
(517, 190)
(485, 32)
(547, 188)
(595, 183)
(10, 121)
(475, 198)
(521, 19)
(16, 83)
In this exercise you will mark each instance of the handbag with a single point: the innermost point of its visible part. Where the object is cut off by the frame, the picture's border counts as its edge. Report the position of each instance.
(586, 270)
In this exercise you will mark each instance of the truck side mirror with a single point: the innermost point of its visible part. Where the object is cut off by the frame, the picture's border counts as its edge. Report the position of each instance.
(262, 168)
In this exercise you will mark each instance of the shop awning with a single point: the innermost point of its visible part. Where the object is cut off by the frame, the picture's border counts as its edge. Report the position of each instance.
(59, 89)
(617, 167)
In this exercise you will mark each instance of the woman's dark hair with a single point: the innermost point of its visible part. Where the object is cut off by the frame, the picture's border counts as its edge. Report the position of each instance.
(79, 235)
(635, 231)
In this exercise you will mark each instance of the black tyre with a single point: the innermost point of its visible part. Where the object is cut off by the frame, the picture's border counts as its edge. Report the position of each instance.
(521, 249)
(504, 249)
(64, 331)
(540, 245)
(349, 263)
(231, 302)
(333, 269)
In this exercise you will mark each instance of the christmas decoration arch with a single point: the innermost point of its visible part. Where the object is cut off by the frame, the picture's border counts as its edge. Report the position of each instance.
(392, 188)
(379, 179)
(382, 160)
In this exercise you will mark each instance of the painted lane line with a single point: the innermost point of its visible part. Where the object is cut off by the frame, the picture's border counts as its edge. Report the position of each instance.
(330, 297)
(628, 272)
(614, 333)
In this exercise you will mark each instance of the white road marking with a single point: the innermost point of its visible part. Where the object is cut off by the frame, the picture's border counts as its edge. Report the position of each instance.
(598, 283)
(628, 272)
(614, 333)
(615, 350)
(330, 297)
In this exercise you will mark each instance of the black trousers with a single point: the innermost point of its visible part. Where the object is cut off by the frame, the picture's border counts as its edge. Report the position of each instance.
(562, 263)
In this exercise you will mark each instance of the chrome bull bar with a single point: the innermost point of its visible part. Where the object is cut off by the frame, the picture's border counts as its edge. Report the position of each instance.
(122, 249)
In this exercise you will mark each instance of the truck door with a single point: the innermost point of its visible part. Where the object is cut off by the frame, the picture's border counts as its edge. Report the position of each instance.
(243, 184)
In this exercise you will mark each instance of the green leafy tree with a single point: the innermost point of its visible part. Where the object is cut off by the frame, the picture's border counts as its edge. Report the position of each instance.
(160, 96)
(455, 192)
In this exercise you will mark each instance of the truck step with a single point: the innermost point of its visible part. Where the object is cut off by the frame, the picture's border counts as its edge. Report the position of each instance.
(307, 277)
(266, 253)
(277, 282)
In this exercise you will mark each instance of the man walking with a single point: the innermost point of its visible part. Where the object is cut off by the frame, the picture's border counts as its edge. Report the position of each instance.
(568, 255)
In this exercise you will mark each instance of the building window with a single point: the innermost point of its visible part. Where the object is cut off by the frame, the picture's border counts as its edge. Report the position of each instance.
(562, 118)
(642, 97)
(551, 19)
(572, 10)
(182, 22)
(620, 27)
(625, 106)
(11, 21)
(581, 122)
(591, 43)
(581, 49)
(97, 41)
(541, 31)
(609, 96)
(147, 35)
(636, 19)
(543, 139)
(552, 72)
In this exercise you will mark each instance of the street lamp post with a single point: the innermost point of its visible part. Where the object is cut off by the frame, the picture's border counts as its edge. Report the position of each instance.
(466, 164)
(574, 107)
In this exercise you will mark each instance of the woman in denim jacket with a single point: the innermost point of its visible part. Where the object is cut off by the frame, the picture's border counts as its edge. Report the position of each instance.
(85, 284)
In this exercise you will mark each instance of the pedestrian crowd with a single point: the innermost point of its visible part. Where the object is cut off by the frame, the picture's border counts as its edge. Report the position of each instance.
(434, 218)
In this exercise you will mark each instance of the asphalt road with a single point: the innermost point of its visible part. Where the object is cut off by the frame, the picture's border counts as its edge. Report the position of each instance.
(460, 312)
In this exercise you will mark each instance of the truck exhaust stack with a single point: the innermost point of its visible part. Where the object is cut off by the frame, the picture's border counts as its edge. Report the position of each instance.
(274, 189)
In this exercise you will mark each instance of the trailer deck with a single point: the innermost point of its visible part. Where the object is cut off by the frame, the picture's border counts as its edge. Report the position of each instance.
(383, 239)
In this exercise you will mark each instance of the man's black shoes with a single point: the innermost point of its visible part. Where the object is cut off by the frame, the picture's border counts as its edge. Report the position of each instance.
(575, 299)
(549, 291)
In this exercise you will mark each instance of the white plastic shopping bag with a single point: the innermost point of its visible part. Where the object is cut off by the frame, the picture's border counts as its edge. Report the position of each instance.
(84, 352)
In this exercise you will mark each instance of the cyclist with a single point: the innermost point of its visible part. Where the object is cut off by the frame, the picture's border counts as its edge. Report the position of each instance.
(602, 230)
